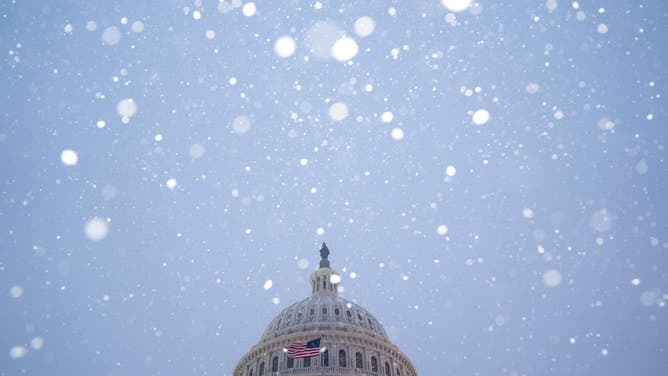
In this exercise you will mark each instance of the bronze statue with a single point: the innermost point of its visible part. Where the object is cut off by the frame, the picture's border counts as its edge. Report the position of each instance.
(324, 252)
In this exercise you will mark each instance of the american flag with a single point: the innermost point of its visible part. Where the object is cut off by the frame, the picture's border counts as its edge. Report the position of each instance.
(304, 350)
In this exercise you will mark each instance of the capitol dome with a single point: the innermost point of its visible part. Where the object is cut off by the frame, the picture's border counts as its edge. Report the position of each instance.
(352, 340)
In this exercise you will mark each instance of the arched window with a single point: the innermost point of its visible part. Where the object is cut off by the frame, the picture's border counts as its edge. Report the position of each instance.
(325, 358)
(261, 371)
(291, 363)
(388, 371)
(274, 364)
(342, 358)
(251, 372)
(374, 364)
(398, 372)
(358, 360)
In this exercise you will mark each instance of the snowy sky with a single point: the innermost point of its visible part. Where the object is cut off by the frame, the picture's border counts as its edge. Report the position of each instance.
(490, 179)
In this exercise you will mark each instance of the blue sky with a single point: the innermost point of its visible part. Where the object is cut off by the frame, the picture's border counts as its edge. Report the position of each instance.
(490, 181)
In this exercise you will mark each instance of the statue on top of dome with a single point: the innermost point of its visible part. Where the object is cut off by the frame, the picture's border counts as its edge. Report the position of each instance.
(324, 252)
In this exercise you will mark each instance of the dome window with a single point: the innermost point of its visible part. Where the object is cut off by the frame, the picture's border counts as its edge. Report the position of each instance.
(337, 311)
(311, 312)
(388, 371)
(274, 364)
(325, 358)
(324, 311)
(261, 371)
(349, 314)
(342, 358)
(358, 360)
(374, 364)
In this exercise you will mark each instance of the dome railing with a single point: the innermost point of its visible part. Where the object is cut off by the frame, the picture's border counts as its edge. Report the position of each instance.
(326, 371)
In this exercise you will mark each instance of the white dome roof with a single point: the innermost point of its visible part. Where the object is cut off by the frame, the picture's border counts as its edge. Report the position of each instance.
(352, 339)
(324, 312)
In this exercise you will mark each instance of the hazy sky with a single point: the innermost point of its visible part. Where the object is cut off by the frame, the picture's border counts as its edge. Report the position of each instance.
(490, 178)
